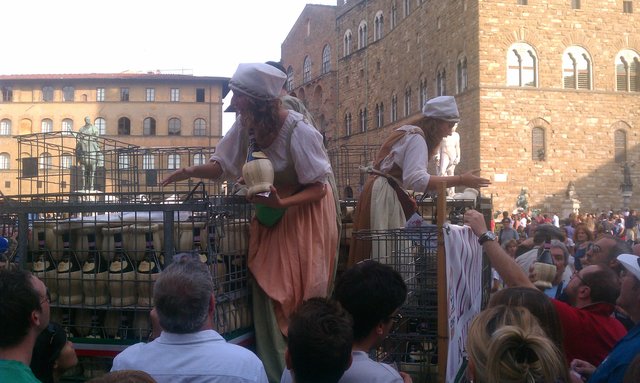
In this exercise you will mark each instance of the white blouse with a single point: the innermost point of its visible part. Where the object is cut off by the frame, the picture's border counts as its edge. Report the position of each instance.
(306, 151)
(411, 154)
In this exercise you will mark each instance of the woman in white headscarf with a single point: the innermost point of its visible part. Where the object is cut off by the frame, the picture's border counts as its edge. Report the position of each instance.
(401, 164)
(292, 250)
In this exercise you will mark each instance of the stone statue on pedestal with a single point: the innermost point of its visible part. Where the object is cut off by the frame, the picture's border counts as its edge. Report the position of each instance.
(449, 156)
(87, 153)
(521, 201)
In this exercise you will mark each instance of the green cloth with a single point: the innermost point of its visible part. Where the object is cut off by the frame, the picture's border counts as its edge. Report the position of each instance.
(270, 343)
(269, 216)
(16, 372)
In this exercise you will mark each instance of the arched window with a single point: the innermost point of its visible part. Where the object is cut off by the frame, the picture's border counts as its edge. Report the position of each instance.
(5, 127)
(538, 151)
(423, 92)
(148, 161)
(5, 161)
(378, 26)
(199, 127)
(461, 72)
(290, 79)
(306, 69)
(45, 161)
(379, 115)
(199, 159)
(394, 15)
(124, 126)
(101, 125)
(407, 101)
(175, 126)
(347, 43)
(627, 71)
(362, 34)
(67, 126)
(326, 59)
(46, 126)
(149, 126)
(394, 108)
(620, 145)
(576, 68)
(441, 82)
(363, 120)
(522, 65)
(173, 161)
(347, 124)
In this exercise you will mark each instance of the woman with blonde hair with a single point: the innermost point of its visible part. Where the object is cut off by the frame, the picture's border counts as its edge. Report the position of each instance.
(506, 344)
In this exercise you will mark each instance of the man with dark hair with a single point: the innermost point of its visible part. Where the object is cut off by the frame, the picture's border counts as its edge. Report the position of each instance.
(590, 331)
(605, 250)
(24, 313)
(188, 349)
(319, 342)
(614, 367)
(372, 293)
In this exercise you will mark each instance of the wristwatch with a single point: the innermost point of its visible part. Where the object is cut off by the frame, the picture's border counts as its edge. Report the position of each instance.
(488, 236)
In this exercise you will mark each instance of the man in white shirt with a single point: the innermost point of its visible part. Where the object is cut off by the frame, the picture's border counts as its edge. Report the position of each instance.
(188, 349)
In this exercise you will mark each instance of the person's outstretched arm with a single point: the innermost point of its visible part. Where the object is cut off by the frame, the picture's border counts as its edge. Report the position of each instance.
(210, 170)
(506, 266)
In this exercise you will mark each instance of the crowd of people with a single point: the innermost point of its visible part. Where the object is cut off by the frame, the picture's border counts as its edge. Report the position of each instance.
(313, 327)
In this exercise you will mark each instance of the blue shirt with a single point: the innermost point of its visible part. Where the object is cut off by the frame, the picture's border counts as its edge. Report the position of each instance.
(202, 357)
(613, 368)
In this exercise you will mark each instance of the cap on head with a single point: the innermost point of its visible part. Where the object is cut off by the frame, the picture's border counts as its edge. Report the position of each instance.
(631, 263)
(442, 108)
(258, 80)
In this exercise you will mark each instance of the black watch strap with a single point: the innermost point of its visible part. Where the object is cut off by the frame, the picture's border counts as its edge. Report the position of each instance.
(488, 236)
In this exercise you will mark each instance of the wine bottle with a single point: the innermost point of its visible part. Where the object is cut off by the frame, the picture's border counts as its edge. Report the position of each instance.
(149, 263)
(69, 262)
(122, 275)
(121, 261)
(42, 258)
(45, 267)
(217, 267)
(148, 272)
(95, 275)
(69, 275)
(95, 263)
(124, 329)
(96, 329)
(197, 246)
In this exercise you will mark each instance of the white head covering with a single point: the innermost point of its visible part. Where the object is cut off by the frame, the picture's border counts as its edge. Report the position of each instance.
(261, 81)
(442, 108)
(631, 263)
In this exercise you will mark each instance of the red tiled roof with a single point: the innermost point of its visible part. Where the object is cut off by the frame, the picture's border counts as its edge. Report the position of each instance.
(111, 76)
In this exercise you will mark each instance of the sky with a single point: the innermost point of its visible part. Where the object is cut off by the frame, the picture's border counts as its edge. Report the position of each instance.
(199, 37)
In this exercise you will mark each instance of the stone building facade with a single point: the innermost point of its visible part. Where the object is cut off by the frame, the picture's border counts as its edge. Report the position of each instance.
(548, 91)
(137, 110)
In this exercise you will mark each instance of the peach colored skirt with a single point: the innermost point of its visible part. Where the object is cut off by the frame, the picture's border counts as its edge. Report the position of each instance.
(295, 259)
